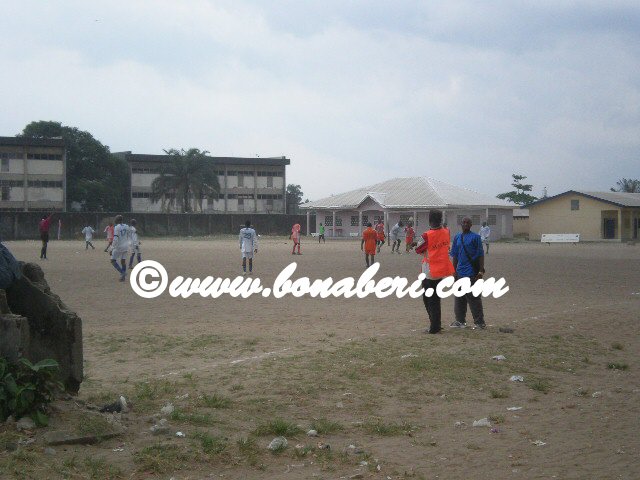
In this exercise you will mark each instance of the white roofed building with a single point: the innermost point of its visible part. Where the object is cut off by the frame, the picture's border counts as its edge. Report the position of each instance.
(409, 199)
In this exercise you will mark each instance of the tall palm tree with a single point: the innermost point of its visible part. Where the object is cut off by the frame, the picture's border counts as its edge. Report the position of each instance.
(189, 175)
(627, 185)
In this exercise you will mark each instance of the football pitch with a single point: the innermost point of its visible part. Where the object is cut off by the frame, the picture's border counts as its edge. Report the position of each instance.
(388, 400)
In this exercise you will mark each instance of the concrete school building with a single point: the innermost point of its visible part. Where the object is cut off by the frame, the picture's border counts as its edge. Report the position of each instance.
(247, 185)
(32, 174)
(596, 216)
(406, 199)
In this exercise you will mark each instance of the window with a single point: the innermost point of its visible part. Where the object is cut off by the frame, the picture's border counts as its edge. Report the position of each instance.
(475, 219)
(155, 171)
(44, 184)
(11, 183)
(43, 156)
(575, 204)
(140, 194)
(328, 221)
(231, 173)
(365, 219)
(405, 219)
(338, 221)
(5, 165)
(354, 220)
(6, 193)
(492, 220)
(10, 155)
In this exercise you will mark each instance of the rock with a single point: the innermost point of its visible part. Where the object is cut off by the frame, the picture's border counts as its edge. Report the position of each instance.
(167, 409)
(596, 394)
(459, 424)
(517, 378)
(505, 330)
(312, 433)
(25, 423)
(483, 422)
(49, 451)
(539, 443)
(160, 428)
(364, 463)
(513, 409)
(11, 446)
(357, 475)
(499, 357)
(278, 443)
(180, 434)
(68, 438)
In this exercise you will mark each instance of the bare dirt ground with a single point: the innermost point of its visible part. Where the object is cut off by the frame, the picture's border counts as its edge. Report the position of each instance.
(241, 372)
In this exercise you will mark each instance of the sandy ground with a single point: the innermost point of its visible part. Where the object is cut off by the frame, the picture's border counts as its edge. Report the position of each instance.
(363, 362)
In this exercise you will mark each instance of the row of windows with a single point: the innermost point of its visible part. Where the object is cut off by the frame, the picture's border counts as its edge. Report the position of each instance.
(11, 183)
(155, 171)
(44, 184)
(11, 156)
(230, 173)
(44, 156)
(269, 197)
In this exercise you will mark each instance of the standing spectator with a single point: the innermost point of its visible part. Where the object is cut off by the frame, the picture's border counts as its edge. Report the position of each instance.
(88, 236)
(468, 259)
(321, 236)
(436, 265)
(295, 236)
(248, 246)
(485, 233)
(44, 226)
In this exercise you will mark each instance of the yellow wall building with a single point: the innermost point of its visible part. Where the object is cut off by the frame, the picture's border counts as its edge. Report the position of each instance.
(595, 216)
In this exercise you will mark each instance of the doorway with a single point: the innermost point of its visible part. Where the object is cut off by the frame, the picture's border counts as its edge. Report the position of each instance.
(609, 228)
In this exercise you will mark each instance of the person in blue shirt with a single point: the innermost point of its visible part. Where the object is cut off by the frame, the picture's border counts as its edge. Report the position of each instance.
(468, 260)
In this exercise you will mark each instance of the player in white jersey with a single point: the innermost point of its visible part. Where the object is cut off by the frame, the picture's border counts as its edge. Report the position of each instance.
(248, 246)
(485, 233)
(135, 243)
(88, 236)
(395, 236)
(120, 247)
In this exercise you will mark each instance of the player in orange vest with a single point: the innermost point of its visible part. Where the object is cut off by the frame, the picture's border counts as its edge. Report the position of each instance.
(410, 233)
(380, 234)
(368, 244)
(436, 265)
(295, 236)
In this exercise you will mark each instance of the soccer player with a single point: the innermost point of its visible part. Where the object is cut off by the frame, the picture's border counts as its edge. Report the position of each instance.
(395, 236)
(109, 231)
(321, 236)
(409, 233)
(248, 246)
(135, 243)
(44, 226)
(436, 264)
(295, 236)
(380, 234)
(88, 236)
(485, 233)
(120, 247)
(368, 244)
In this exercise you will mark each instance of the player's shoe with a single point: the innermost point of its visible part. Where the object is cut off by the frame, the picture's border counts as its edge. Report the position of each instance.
(458, 324)
(481, 326)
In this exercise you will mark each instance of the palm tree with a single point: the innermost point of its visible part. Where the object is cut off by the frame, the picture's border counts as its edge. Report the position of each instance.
(189, 175)
(627, 185)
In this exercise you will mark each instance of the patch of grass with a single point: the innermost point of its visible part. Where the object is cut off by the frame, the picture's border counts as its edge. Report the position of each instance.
(211, 445)
(161, 458)
(497, 419)
(326, 427)
(618, 366)
(304, 451)
(278, 427)
(95, 425)
(377, 427)
(237, 388)
(8, 439)
(202, 341)
(617, 346)
(198, 419)
(248, 448)
(99, 469)
(215, 401)
(499, 393)
(582, 392)
(473, 446)
(540, 385)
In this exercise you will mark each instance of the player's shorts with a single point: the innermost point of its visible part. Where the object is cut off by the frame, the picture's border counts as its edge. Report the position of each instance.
(409, 239)
(485, 241)
(247, 254)
(136, 249)
(119, 254)
(393, 238)
(370, 251)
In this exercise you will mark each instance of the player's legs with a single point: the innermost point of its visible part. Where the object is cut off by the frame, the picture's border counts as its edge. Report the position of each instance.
(250, 265)
(366, 259)
(487, 244)
(244, 264)
(123, 263)
(91, 245)
(133, 254)
(298, 248)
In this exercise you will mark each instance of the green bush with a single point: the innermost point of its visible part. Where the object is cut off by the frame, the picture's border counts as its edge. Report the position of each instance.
(26, 389)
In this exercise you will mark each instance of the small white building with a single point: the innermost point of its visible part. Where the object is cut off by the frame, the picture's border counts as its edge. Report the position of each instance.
(409, 199)
(32, 174)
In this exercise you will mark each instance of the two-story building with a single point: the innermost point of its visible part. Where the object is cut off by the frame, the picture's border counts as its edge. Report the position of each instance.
(32, 174)
(253, 185)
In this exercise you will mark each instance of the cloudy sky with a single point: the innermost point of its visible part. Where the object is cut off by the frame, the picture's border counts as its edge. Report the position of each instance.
(353, 92)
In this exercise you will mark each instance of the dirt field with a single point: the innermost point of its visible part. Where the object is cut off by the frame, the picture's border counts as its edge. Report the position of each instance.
(360, 371)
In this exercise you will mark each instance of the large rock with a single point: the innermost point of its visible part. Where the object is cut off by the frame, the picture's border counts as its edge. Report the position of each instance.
(54, 330)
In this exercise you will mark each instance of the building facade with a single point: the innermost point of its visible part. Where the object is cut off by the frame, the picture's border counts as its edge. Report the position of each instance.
(32, 174)
(247, 185)
(596, 216)
(409, 200)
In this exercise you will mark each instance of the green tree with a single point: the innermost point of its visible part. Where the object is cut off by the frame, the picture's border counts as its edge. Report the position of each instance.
(96, 179)
(185, 180)
(627, 185)
(519, 196)
(294, 198)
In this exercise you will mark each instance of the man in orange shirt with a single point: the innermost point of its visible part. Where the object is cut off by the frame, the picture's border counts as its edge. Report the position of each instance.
(380, 233)
(368, 244)
(409, 233)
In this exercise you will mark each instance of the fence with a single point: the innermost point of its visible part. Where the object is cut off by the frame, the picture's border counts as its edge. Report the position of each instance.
(24, 225)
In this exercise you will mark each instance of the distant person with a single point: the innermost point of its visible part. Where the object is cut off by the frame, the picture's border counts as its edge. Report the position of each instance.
(295, 236)
(368, 244)
(248, 246)
(409, 234)
(120, 247)
(88, 232)
(468, 259)
(321, 234)
(109, 231)
(485, 233)
(135, 243)
(43, 226)
(436, 265)
(395, 236)
(380, 234)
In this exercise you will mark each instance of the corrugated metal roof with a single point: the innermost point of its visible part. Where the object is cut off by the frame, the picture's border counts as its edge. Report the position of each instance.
(620, 199)
(410, 192)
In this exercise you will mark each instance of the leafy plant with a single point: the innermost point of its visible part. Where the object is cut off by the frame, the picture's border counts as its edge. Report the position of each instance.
(27, 388)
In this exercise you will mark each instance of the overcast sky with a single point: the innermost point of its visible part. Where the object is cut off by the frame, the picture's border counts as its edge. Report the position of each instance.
(353, 92)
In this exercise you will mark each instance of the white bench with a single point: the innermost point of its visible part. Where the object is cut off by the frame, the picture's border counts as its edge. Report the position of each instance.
(315, 234)
(352, 234)
(550, 238)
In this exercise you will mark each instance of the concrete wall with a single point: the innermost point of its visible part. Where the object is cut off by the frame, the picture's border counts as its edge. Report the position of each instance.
(521, 226)
(24, 225)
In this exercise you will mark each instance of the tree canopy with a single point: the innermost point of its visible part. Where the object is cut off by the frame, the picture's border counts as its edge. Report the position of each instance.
(96, 179)
(627, 185)
(519, 196)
